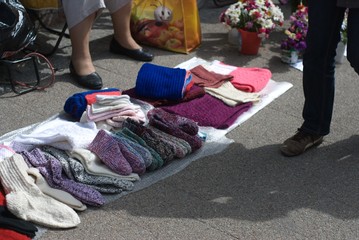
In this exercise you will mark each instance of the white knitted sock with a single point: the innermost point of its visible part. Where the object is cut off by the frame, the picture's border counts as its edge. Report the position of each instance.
(57, 194)
(26, 201)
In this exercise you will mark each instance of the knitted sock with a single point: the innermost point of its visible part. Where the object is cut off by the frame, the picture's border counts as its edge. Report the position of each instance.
(164, 149)
(12, 223)
(65, 165)
(172, 129)
(157, 161)
(134, 158)
(57, 194)
(158, 116)
(51, 169)
(94, 166)
(107, 149)
(182, 148)
(143, 152)
(26, 201)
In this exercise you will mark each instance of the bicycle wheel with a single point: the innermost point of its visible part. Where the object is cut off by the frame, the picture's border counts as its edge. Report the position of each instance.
(222, 3)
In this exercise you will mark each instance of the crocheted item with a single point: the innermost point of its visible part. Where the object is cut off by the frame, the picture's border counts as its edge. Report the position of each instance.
(76, 104)
(250, 79)
(157, 161)
(160, 82)
(26, 201)
(51, 169)
(102, 184)
(209, 111)
(163, 148)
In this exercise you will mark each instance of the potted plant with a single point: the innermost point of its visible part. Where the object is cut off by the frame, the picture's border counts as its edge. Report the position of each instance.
(294, 44)
(252, 17)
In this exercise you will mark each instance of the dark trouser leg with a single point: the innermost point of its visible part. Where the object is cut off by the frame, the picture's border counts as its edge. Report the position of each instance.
(319, 65)
(353, 39)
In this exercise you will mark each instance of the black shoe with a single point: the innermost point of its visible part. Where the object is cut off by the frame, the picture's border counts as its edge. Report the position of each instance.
(299, 143)
(137, 54)
(91, 81)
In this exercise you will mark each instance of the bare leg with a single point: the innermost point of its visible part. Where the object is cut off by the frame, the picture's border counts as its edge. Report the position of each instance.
(80, 38)
(121, 27)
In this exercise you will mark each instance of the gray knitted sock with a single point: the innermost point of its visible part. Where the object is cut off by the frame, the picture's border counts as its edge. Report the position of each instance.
(108, 150)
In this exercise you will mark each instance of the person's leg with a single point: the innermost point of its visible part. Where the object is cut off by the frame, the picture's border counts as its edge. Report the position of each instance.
(325, 20)
(122, 42)
(318, 76)
(80, 38)
(121, 27)
(353, 39)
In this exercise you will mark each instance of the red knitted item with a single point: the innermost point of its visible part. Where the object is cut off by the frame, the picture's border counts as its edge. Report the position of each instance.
(250, 79)
(91, 98)
(6, 234)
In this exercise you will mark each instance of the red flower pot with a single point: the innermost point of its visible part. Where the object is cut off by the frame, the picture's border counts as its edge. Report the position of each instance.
(250, 42)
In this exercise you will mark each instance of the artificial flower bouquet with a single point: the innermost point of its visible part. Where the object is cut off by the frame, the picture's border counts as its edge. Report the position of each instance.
(294, 43)
(261, 16)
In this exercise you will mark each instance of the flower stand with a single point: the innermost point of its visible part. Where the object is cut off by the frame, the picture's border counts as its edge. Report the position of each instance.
(250, 42)
(288, 56)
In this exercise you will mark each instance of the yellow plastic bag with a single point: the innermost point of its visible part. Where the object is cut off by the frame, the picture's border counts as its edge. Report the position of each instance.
(41, 4)
(172, 25)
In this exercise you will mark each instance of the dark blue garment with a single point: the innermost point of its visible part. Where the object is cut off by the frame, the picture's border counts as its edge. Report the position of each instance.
(325, 20)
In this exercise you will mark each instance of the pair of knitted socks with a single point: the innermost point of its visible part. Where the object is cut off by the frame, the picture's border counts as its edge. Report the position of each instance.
(26, 201)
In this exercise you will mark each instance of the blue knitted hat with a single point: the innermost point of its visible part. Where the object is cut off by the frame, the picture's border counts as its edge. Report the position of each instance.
(159, 82)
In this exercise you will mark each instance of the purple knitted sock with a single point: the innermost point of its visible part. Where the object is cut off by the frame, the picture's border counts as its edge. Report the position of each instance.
(160, 116)
(165, 150)
(108, 150)
(51, 169)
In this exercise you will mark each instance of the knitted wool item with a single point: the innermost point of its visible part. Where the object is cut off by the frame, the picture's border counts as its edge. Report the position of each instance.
(231, 95)
(142, 151)
(250, 79)
(101, 183)
(57, 194)
(104, 103)
(109, 152)
(204, 78)
(132, 156)
(94, 166)
(51, 169)
(193, 92)
(25, 200)
(163, 148)
(159, 117)
(5, 151)
(160, 82)
(13, 223)
(157, 161)
(209, 111)
(182, 148)
(76, 104)
(65, 164)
